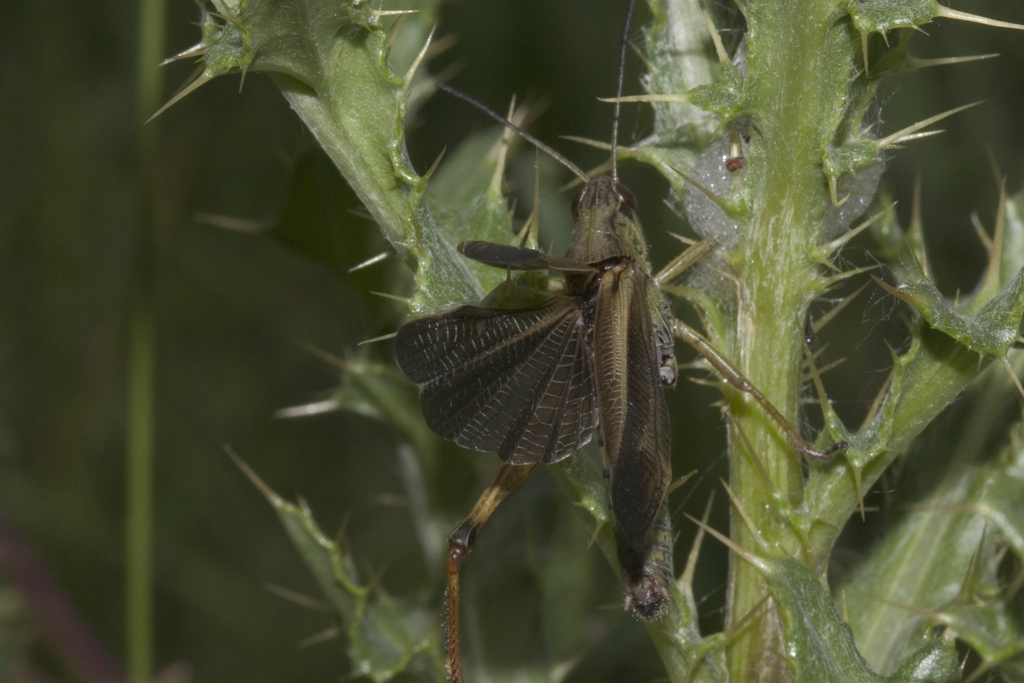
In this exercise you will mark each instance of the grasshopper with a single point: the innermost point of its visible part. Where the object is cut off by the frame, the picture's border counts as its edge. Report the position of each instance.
(533, 382)
(531, 374)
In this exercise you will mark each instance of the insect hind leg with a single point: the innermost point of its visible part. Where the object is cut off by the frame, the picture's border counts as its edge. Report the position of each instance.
(731, 374)
(460, 542)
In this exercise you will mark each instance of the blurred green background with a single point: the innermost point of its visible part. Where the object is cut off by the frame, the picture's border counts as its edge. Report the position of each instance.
(237, 309)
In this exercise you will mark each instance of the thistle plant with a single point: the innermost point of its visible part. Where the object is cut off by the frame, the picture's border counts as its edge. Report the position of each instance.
(774, 149)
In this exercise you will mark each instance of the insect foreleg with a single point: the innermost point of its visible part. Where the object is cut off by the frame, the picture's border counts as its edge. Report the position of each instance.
(460, 542)
(733, 376)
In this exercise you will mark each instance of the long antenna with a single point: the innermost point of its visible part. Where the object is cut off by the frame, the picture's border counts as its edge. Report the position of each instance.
(526, 136)
(618, 93)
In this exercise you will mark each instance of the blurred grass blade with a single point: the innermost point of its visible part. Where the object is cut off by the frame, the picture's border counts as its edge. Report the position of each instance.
(141, 360)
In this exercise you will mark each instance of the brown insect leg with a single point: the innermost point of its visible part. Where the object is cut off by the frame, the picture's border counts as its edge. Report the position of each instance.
(461, 542)
(693, 254)
(733, 376)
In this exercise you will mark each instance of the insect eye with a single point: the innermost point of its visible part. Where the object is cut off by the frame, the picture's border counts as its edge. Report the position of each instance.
(576, 203)
(626, 196)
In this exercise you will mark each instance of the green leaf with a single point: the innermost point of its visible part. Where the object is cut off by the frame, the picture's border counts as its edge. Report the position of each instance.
(680, 57)
(386, 635)
(1003, 506)
(330, 60)
(819, 645)
(939, 564)
(469, 203)
(988, 322)
(949, 348)
(925, 380)
(871, 16)
(723, 99)
(994, 631)
(992, 331)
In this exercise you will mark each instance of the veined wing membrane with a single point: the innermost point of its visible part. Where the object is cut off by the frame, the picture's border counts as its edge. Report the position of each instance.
(634, 413)
(515, 382)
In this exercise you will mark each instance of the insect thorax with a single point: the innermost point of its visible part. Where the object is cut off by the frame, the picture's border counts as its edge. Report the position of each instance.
(606, 225)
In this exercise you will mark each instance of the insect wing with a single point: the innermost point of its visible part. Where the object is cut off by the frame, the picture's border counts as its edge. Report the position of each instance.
(634, 415)
(515, 382)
